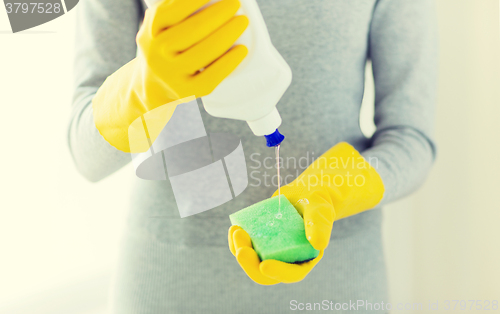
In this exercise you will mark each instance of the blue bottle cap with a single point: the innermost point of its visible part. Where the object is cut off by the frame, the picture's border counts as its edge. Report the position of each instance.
(274, 139)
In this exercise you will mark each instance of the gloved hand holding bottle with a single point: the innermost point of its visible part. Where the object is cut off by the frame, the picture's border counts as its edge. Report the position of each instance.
(339, 184)
(181, 54)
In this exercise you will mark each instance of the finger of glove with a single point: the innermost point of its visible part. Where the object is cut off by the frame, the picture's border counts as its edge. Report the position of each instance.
(211, 76)
(288, 273)
(169, 13)
(211, 48)
(249, 262)
(230, 241)
(197, 27)
(318, 222)
(241, 239)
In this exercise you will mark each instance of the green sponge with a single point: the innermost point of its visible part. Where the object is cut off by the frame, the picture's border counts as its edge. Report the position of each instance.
(274, 237)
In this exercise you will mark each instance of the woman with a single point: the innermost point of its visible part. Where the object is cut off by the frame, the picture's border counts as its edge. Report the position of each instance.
(173, 265)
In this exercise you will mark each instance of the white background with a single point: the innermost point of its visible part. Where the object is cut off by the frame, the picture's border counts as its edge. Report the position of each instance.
(59, 233)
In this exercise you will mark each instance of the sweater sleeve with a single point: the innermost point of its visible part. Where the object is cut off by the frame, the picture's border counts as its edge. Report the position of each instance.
(404, 54)
(105, 41)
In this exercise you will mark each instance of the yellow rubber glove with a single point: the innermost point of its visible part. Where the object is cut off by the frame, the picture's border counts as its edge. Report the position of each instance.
(181, 54)
(339, 184)
(268, 272)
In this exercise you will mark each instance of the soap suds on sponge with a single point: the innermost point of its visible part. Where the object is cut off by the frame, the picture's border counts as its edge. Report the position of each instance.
(282, 239)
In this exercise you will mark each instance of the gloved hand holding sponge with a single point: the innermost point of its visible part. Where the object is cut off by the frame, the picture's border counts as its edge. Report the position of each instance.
(185, 52)
(339, 184)
(181, 54)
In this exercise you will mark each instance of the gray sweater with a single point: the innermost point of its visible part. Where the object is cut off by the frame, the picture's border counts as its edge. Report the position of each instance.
(174, 265)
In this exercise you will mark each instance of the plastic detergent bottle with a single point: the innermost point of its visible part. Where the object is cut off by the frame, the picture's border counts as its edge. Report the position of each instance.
(251, 92)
